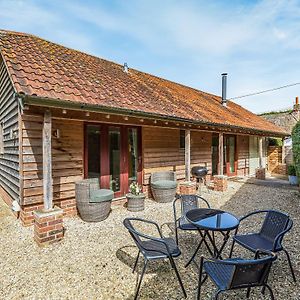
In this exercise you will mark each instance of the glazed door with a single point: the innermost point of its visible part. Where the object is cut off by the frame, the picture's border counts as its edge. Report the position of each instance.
(113, 153)
(215, 154)
(114, 160)
(230, 161)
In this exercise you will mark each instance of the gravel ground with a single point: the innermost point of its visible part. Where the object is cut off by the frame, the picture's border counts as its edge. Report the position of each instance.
(94, 261)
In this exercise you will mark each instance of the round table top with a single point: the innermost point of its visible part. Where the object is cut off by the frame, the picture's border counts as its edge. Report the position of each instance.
(212, 219)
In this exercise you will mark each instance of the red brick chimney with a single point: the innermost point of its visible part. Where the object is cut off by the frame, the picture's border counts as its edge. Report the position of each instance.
(297, 105)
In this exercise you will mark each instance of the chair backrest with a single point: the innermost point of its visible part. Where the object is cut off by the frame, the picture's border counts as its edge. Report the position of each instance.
(251, 272)
(275, 223)
(189, 202)
(163, 175)
(83, 187)
(133, 232)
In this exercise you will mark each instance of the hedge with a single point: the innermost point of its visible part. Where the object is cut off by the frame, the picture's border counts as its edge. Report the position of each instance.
(296, 147)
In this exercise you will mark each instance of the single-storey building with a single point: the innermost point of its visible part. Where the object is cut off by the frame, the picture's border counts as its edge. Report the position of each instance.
(94, 118)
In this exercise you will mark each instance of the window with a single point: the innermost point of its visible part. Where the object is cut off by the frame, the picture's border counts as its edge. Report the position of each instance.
(93, 150)
(182, 139)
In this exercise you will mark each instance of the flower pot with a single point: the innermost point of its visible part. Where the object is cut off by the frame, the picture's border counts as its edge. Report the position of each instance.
(135, 202)
(293, 180)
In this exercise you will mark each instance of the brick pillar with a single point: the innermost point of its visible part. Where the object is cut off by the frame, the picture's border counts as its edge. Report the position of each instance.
(220, 183)
(187, 188)
(48, 226)
(260, 173)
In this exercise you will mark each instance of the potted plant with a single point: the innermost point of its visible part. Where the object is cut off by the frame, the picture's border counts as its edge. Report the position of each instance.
(135, 197)
(293, 179)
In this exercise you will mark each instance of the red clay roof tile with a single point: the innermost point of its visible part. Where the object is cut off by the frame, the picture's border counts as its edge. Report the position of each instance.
(38, 67)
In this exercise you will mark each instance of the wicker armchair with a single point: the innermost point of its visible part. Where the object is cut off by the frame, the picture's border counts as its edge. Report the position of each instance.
(93, 203)
(163, 186)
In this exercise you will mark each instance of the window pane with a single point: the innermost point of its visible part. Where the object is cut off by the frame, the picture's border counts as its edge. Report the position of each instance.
(215, 154)
(93, 146)
(232, 154)
(114, 158)
(132, 154)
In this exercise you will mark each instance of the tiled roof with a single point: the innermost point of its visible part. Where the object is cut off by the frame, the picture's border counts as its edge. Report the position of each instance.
(42, 68)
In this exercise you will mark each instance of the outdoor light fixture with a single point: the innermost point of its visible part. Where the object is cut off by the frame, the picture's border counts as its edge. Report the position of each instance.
(126, 118)
(87, 114)
(64, 111)
(155, 122)
(107, 116)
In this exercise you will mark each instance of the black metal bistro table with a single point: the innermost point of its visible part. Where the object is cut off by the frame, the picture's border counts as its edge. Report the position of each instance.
(208, 221)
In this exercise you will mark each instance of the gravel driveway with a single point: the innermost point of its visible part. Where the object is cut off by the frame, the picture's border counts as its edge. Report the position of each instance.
(94, 261)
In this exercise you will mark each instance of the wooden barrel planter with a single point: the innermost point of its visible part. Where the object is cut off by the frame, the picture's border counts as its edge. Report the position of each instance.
(93, 203)
(135, 202)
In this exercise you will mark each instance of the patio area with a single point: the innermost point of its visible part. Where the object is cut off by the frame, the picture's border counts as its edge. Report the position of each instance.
(94, 260)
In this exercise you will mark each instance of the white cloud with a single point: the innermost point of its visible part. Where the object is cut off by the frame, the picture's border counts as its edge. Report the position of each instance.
(257, 43)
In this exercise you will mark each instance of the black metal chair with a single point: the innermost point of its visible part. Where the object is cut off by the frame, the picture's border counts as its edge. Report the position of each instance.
(276, 224)
(187, 202)
(237, 273)
(153, 248)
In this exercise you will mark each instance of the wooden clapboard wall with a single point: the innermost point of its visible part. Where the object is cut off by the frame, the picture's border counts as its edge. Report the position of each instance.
(161, 148)
(243, 155)
(9, 157)
(201, 151)
(67, 158)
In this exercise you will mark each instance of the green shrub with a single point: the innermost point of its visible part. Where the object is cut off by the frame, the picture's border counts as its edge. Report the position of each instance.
(275, 142)
(296, 147)
(291, 170)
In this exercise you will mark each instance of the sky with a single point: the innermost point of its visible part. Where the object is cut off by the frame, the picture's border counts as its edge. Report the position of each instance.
(191, 42)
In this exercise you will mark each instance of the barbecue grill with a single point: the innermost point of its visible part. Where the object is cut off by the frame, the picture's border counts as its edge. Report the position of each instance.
(199, 173)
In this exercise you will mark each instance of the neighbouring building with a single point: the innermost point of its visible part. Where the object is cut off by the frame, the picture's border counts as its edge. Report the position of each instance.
(280, 157)
(108, 121)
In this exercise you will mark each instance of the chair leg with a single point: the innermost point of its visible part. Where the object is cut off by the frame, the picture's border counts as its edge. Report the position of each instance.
(140, 282)
(248, 292)
(216, 296)
(270, 290)
(200, 282)
(176, 234)
(231, 250)
(290, 264)
(178, 276)
(136, 262)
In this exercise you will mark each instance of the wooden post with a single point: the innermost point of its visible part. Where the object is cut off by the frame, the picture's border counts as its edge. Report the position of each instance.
(221, 154)
(187, 155)
(260, 151)
(47, 162)
(283, 152)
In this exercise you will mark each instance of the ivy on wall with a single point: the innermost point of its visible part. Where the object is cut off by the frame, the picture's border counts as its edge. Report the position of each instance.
(296, 147)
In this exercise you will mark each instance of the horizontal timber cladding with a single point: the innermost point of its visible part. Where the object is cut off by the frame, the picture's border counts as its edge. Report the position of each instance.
(242, 155)
(67, 158)
(161, 151)
(9, 125)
